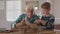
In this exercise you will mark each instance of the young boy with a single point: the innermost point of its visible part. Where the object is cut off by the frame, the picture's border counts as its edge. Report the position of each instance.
(47, 19)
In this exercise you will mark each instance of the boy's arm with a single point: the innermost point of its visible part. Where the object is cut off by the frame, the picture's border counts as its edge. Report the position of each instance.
(40, 21)
(50, 23)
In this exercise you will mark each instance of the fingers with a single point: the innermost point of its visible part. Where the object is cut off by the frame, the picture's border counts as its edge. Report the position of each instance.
(22, 22)
(37, 21)
(18, 25)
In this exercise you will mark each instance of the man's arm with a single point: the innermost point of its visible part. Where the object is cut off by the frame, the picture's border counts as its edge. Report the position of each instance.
(20, 24)
(17, 22)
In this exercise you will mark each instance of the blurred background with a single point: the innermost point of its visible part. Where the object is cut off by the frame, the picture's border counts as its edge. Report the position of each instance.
(11, 9)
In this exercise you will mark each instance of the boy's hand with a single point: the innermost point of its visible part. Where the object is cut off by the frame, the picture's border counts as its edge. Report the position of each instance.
(40, 21)
(37, 21)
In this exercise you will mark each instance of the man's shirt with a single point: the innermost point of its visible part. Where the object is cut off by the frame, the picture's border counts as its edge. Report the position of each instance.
(34, 17)
(23, 16)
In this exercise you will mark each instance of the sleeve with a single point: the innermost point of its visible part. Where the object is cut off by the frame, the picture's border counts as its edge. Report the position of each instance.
(50, 23)
(37, 18)
(17, 21)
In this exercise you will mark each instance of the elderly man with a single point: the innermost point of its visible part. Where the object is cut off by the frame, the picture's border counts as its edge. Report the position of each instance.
(26, 19)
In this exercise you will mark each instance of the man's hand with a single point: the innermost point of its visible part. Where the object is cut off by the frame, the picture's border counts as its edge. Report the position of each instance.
(22, 22)
(18, 25)
(33, 26)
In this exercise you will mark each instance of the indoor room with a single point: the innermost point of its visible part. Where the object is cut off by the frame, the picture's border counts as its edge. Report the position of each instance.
(11, 11)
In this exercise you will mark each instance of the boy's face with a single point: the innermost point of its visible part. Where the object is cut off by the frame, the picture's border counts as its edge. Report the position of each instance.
(46, 11)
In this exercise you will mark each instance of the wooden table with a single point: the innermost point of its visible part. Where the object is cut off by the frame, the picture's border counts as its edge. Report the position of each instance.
(30, 31)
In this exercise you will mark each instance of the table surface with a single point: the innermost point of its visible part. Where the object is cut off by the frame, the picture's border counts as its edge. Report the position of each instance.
(30, 31)
(22, 31)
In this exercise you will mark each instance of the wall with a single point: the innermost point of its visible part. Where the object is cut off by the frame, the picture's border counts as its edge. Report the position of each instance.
(40, 2)
(3, 22)
(56, 10)
(2, 14)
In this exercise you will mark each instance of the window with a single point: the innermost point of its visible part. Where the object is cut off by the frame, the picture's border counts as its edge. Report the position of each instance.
(13, 10)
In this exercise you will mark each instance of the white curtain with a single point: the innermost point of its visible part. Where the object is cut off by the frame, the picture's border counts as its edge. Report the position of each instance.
(13, 10)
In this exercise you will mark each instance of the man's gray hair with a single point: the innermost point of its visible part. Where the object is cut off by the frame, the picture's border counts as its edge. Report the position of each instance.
(30, 6)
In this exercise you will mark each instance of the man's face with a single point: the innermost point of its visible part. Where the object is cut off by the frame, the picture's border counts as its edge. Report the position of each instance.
(29, 12)
(46, 11)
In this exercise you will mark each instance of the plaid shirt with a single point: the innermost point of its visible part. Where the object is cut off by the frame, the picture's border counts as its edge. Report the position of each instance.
(49, 21)
(21, 17)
